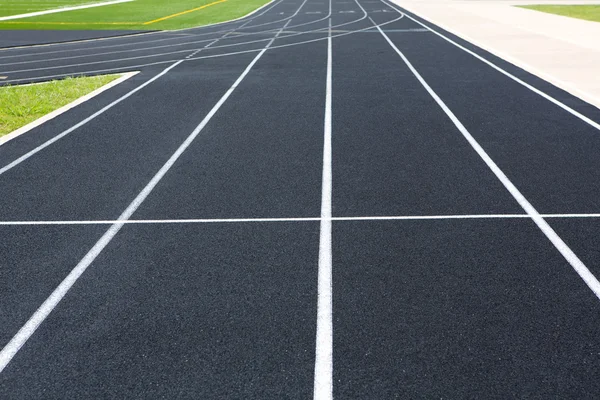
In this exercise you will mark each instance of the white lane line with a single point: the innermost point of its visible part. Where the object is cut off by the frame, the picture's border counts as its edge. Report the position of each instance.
(161, 221)
(63, 9)
(323, 383)
(296, 219)
(430, 217)
(560, 245)
(15, 344)
(570, 215)
(65, 108)
(551, 99)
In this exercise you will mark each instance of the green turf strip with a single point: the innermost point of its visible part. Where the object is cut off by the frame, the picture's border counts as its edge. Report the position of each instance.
(20, 105)
(587, 12)
(134, 15)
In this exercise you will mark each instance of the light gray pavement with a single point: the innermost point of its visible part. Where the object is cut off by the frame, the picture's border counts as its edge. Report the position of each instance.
(561, 50)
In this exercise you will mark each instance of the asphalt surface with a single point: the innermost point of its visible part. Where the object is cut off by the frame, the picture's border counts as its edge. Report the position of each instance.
(178, 243)
(16, 38)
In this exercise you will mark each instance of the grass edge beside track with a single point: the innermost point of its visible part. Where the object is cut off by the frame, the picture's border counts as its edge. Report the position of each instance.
(24, 104)
(587, 12)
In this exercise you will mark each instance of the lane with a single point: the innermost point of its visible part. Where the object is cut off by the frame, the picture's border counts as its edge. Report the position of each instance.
(219, 311)
(459, 309)
(261, 155)
(394, 150)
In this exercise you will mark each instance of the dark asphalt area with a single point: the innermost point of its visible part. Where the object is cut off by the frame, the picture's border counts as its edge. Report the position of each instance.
(16, 38)
(177, 244)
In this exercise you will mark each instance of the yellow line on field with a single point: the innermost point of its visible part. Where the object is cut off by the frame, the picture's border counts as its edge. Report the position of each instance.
(184, 12)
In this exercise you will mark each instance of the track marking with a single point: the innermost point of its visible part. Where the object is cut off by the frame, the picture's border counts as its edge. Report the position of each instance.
(63, 9)
(184, 12)
(560, 245)
(323, 383)
(296, 219)
(65, 108)
(17, 341)
(551, 99)
(161, 221)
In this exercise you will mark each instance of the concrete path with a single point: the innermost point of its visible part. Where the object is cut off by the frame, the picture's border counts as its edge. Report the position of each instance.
(564, 51)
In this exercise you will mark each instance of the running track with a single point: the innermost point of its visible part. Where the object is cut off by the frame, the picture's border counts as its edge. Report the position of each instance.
(323, 199)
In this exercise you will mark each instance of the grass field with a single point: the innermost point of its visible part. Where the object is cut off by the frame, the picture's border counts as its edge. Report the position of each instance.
(20, 105)
(587, 12)
(133, 15)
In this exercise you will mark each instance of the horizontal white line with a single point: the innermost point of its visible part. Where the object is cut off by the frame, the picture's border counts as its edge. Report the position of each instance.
(298, 219)
(63, 9)
(160, 221)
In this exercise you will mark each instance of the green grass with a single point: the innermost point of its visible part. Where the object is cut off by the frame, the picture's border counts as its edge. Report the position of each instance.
(135, 15)
(588, 12)
(20, 105)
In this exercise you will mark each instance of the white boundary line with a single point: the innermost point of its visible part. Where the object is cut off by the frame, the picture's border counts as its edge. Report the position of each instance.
(323, 379)
(296, 219)
(160, 221)
(560, 245)
(63, 9)
(64, 109)
(504, 72)
(27, 330)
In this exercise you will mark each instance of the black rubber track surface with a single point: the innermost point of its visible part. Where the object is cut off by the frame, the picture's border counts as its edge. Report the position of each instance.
(443, 286)
(15, 38)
